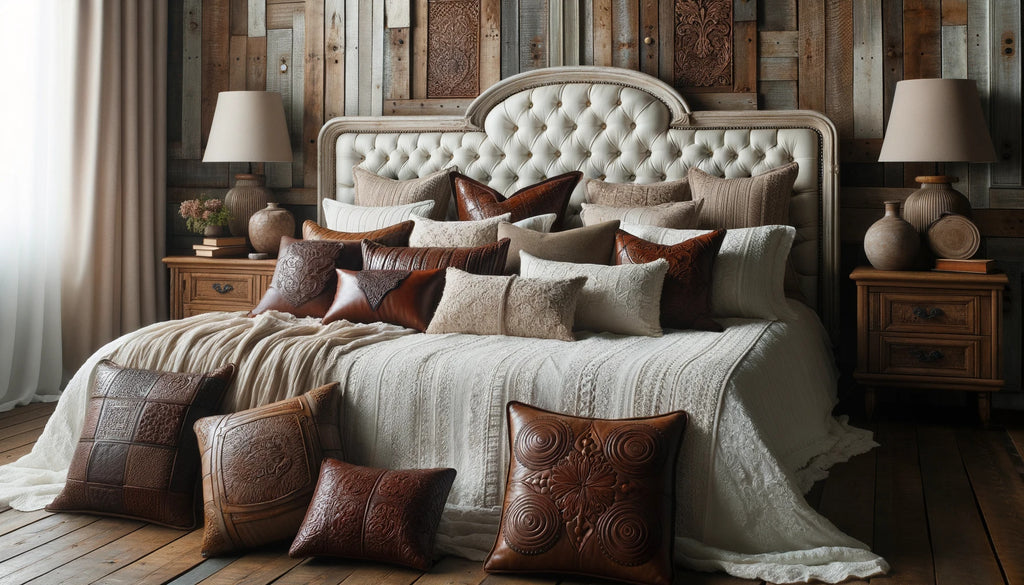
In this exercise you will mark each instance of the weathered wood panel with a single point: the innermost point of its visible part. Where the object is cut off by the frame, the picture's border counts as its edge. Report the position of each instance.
(867, 97)
(279, 79)
(334, 58)
(840, 63)
(812, 56)
(192, 80)
(1005, 84)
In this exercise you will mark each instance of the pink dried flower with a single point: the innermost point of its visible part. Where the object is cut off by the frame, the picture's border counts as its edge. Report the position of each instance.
(214, 204)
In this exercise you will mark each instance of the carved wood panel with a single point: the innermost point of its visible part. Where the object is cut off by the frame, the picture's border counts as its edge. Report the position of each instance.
(704, 43)
(453, 48)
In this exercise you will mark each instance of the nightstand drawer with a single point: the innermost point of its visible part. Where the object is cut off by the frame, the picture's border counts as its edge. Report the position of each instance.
(917, 313)
(927, 357)
(222, 288)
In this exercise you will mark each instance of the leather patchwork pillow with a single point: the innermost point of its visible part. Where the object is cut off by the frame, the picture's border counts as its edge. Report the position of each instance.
(636, 194)
(352, 252)
(589, 496)
(374, 514)
(137, 455)
(589, 245)
(686, 296)
(304, 280)
(743, 202)
(488, 259)
(475, 200)
(260, 468)
(372, 190)
(403, 297)
(680, 215)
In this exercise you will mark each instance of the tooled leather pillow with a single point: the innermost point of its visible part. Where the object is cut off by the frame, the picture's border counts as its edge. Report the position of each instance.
(304, 278)
(474, 200)
(260, 467)
(137, 454)
(403, 297)
(486, 259)
(352, 253)
(589, 496)
(374, 514)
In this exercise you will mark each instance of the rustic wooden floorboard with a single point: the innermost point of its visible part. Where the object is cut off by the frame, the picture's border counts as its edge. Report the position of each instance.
(254, 568)
(24, 413)
(317, 572)
(12, 455)
(25, 539)
(160, 565)
(12, 520)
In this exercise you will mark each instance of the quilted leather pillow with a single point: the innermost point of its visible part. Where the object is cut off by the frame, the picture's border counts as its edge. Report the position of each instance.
(489, 259)
(589, 245)
(475, 200)
(137, 454)
(372, 514)
(745, 202)
(403, 297)
(260, 468)
(375, 191)
(686, 296)
(352, 252)
(636, 194)
(681, 215)
(589, 496)
(304, 279)
(358, 218)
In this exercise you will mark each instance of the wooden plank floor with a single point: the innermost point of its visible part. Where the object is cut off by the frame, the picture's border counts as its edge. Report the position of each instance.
(942, 501)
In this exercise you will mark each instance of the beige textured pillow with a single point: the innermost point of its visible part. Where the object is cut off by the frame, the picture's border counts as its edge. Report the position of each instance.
(623, 299)
(746, 202)
(462, 234)
(507, 305)
(345, 217)
(591, 245)
(680, 215)
(372, 190)
(635, 194)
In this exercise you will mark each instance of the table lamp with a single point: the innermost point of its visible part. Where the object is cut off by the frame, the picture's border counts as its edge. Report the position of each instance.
(249, 127)
(936, 120)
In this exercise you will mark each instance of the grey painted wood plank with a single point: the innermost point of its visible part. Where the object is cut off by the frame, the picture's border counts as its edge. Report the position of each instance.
(377, 61)
(296, 111)
(556, 33)
(533, 35)
(397, 12)
(744, 10)
(279, 79)
(1005, 83)
(351, 58)
(334, 62)
(867, 69)
(365, 78)
(626, 34)
(778, 95)
(571, 28)
(192, 79)
(509, 38)
(978, 70)
(954, 66)
(257, 18)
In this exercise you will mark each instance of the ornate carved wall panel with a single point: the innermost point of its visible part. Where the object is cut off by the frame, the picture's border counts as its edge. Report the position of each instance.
(453, 48)
(704, 43)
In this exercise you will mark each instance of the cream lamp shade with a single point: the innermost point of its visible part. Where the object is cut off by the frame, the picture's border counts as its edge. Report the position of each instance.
(248, 126)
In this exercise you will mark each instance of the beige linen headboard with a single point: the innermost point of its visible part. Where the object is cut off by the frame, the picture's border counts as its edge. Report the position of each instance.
(612, 124)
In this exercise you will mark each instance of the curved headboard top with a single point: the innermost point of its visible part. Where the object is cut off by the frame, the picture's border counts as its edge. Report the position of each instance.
(615, 125)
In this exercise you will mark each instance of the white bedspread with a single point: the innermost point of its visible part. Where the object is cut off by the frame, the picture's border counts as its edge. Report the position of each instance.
(759, 396)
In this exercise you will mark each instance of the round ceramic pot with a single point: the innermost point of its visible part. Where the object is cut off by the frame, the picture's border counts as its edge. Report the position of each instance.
(891, 243)
(268, 225)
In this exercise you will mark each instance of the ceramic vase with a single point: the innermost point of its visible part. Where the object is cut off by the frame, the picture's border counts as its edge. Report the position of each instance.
(935, 197)
(213, 231)
(246, 198)
(892, 243)
(268, 225)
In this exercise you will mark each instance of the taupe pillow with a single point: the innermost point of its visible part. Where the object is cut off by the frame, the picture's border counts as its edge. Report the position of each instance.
(375, 191)
(590, 245)
(507, 305)
(680, 215)
(635, 194)
(463, 234)
(746, 202)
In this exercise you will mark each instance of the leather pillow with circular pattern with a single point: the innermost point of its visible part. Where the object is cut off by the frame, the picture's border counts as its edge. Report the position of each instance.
(474, 200)
(381, 515)
(588, 496)
(260, 467)
(137, 454)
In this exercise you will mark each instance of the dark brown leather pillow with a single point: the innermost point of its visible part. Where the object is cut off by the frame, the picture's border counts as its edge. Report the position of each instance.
(304, 279)
(260, 467)
(589, 496)
(475, 200)
(374, 514)
(352, 253)
(137, 455)
(487, 259)
(686, 295)
(403, 297)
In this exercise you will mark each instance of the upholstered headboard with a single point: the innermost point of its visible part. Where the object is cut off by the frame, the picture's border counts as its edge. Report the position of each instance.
(612, 124)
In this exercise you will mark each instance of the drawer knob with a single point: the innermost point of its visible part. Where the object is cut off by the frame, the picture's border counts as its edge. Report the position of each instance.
(922, 313)
(927, 357)
(222, 288)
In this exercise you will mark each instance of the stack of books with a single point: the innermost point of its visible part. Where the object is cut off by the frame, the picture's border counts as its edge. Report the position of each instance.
(221, 247)
(977, 265)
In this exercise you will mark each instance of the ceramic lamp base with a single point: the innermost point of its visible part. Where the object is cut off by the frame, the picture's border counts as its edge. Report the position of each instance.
(248, 196)
(935, 197)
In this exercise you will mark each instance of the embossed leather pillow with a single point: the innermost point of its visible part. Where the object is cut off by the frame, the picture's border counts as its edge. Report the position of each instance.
(474, 200)
(488, 259)
(372, 190)
(260, 468)
(743, 202)
(389, 516)
(352, 252)
(678, 215)
(588, 496)
(403, 297)
(637, 194)
(686, 296)
(304, 280)
(589, 245)
(137, 454)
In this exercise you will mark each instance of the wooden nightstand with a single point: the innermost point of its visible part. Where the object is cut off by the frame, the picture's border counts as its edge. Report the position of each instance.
(930, 330)
(202, 285)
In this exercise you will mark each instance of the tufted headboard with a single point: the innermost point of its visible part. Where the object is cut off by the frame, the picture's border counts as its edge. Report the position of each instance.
(612, 124)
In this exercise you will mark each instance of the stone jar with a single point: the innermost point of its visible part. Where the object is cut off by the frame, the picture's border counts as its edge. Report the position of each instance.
(891, 243)
(268, 225)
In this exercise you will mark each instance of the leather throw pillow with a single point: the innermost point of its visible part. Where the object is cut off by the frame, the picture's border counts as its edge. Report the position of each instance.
(372, 190)
(487, 259)
(743, 202)
(686, 295)
(475, 200)
(389, 516)
(260, 467)
(352, 253)
(403, 297)
(304, 280)
(137, 454)
(587, 245)
(589, 496)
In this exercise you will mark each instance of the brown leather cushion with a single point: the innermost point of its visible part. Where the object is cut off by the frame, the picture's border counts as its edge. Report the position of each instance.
(475, 200)
(589, 496)
(304, 278)
(260, 467)
(374, 514)
(585, 245)
(352, 253)
(403, 297)
(686, 295)
(137, 454)
(488, 259)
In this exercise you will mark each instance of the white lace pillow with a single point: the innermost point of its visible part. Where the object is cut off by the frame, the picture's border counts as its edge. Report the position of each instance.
(470, 234)
(507, 305)
(345, 217)
(624, 299)
(678, 215)
(749, 270)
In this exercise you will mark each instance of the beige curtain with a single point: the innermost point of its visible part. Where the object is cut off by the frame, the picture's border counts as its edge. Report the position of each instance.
(112, 278)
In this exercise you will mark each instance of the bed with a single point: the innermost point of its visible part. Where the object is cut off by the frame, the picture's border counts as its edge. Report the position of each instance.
(759, 394)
